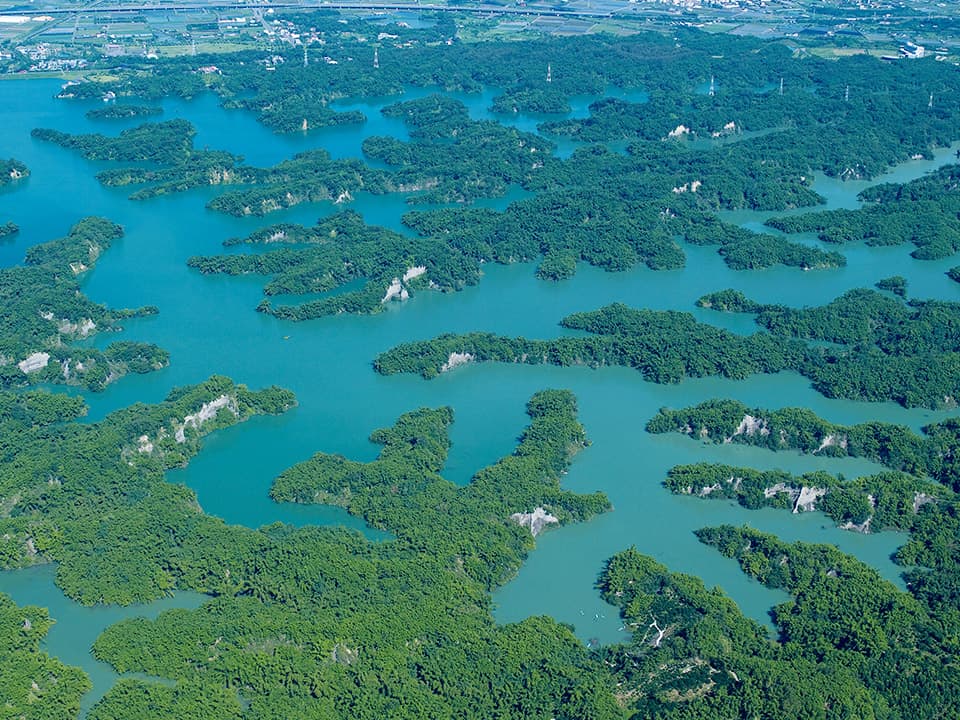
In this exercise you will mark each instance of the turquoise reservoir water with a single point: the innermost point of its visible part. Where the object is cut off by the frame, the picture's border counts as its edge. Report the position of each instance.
(209, 326)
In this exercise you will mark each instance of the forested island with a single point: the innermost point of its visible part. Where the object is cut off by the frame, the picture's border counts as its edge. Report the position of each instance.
(12, 170)
(324, 622)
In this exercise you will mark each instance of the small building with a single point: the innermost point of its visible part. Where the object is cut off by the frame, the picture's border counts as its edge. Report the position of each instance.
(913, 51)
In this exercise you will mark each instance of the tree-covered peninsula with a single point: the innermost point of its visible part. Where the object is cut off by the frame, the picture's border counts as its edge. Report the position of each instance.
(692, 654)
(320, 622)
(923, 212)
(846, 618)
(93, 498)
(664, 346)
(34, 684)
(45, 313)
(11, 171)
(890, 500)
(487, 527)
(933, 453)
(883, 349)
(118, 111)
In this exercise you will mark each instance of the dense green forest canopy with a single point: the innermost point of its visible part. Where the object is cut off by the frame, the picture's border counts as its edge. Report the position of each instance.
(886, 349)
(748, 146)
(320, 622)
(34, 684)
(694, 655)
(93, 497)
(45, 313)
(12, 170)
(923, 212)
(845, 617)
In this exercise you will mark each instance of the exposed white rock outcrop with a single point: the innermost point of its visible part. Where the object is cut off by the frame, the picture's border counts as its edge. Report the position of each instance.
(778, 488)
(807, 499)
(35, 361)
(920, 499)
(207, 411)
(82, 328)
(414, 272)
(830, 441)
(456, 359)
(679, 131)
(536, 520)
(395, 290)
(750, 425)
(690, 186)
(804, 498)
(144, 445)
(728, 129)
(863, 527)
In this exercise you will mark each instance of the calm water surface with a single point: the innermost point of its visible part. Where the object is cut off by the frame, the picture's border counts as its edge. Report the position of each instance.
(209, 326)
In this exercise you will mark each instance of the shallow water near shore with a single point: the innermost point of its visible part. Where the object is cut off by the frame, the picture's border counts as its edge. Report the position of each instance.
(209, 326)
